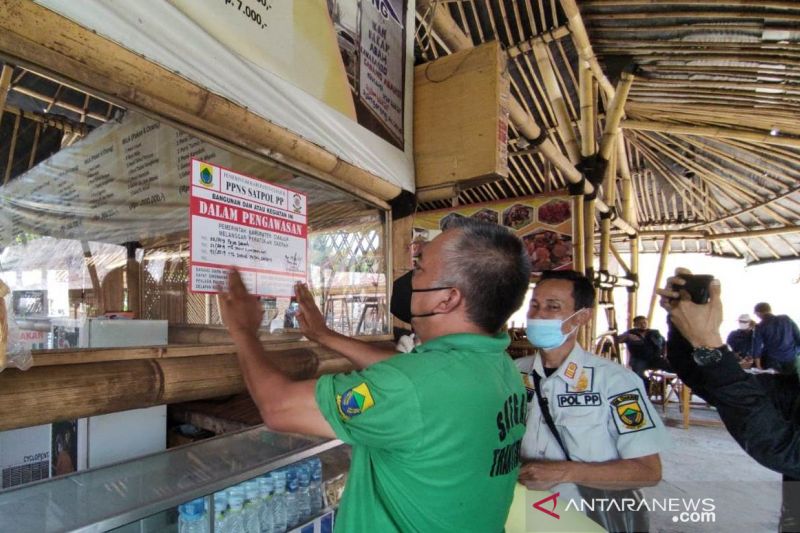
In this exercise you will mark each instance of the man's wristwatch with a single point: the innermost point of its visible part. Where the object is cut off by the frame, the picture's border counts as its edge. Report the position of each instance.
(705, 356)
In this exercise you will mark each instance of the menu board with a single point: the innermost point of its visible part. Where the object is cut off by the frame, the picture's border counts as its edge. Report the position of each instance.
(544, 223)
(126, 181)
(241, 222)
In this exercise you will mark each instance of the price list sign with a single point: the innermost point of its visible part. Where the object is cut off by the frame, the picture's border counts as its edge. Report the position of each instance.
(239, 221)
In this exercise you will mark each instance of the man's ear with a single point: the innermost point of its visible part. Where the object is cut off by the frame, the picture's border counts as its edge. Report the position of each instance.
(452, 300)
(583, 316)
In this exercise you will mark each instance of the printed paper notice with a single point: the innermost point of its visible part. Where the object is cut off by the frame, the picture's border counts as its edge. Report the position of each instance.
(254, 226)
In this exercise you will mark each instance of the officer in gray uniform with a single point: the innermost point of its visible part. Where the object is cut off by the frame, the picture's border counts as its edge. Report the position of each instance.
(589, 421)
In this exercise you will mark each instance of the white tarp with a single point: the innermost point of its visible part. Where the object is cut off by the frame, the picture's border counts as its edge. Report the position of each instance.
(125, 182)
(258, 52)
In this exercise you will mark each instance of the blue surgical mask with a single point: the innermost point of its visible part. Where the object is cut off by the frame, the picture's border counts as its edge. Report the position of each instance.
(545, 333)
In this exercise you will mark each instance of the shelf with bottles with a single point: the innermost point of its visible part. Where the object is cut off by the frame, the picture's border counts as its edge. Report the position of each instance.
(287, 499)
(149, 493)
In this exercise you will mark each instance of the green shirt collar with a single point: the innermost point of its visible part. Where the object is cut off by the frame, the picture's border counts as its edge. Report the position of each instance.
(469, 342)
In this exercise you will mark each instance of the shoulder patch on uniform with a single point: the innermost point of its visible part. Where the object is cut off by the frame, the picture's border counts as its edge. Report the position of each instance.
(354, 401)
(530, 386)
(585, 382)
(629, 412)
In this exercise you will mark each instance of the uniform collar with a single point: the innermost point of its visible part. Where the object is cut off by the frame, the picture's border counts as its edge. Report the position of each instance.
(570, 369)
(466, 342)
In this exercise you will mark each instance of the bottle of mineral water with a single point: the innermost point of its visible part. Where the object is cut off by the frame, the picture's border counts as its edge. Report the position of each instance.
(265, 490)
(292, 515)
(315, 489)
(279, 501)
(220, 511)
(234, 522)
(252, 502)
(303, 496)
(192, 517)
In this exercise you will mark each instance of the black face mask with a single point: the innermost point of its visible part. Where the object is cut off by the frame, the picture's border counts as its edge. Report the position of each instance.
(400, 305)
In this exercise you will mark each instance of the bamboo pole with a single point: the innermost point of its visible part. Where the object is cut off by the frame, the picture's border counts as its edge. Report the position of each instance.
(561, 77)
(677, 234)
(11, 148)
(578, 255)
(524, 47)
(588, 118)
(49, 121)
(633, 292)
(771, 4)
(587, 103)
(34, 145)
(714, 133)
(627, 194)
(52, 102)
(662, 263)
(609, 190)
(693, 15)
(66, 392)
(96, 287)
(752, 234)
(5, 85)
(588, 254)
(614, 115)
(721, 84)
(64, 385)
(581, 38)
(618, 257)
(34, 34)
(556, 101)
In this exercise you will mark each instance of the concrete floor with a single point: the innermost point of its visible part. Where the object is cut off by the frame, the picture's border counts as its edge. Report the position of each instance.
(705, 462)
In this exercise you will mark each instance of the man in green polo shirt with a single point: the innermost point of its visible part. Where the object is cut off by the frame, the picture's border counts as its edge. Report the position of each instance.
(436, 432)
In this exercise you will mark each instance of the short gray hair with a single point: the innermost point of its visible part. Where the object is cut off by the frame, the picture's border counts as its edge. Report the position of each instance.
(491, 268)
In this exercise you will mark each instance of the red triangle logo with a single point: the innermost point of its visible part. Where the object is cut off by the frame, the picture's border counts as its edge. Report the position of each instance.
(554, 499)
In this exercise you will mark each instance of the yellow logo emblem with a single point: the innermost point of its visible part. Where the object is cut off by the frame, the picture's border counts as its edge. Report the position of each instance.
(355, 401)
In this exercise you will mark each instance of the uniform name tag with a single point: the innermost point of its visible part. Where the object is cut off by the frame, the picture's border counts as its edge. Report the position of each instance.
(579, 400)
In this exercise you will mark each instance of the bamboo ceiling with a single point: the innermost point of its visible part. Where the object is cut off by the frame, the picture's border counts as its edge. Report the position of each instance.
(711, 121)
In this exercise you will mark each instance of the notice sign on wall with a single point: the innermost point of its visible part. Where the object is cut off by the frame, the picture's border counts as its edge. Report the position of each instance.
(239, 221)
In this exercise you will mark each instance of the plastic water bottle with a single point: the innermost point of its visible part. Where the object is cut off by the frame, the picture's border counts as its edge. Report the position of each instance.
(192, 517)
(265, 490)
(303, 495)
(234, 522)
(315, 489)
(220, 511)
(279, 502)
(251, 507)
(292, 510)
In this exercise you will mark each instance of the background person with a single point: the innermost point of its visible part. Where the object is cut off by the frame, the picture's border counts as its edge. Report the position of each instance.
(740, 340)
(776, 340)
(645, 349)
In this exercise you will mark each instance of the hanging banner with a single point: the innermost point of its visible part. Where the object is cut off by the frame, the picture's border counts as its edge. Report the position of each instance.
(240, 222)
(381, 63)
(544, 223)
(335, 72)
